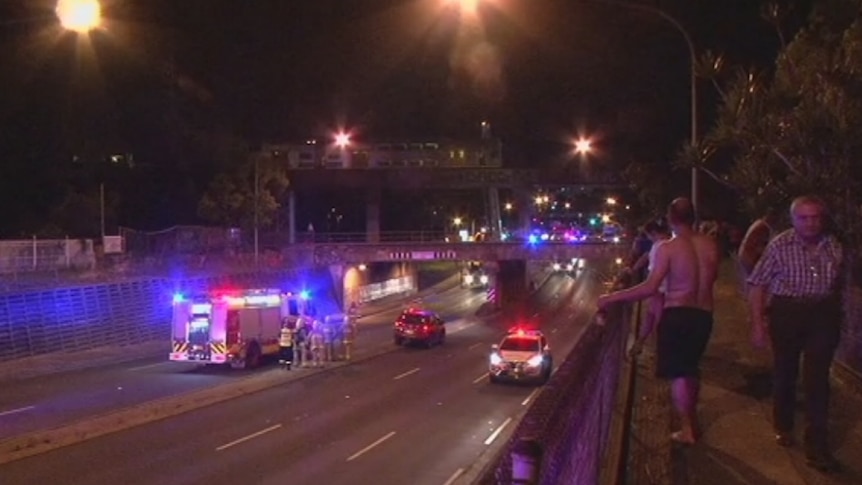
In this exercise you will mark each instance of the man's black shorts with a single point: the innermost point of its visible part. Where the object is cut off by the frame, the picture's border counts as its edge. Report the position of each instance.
(683, 333)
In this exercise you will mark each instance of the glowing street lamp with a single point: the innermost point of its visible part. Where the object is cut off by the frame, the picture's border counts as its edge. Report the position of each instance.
(466, 6)
(342, 139)
(583, 146)
(79, 16)
(457, 221)
(508, 206)
(611, 201)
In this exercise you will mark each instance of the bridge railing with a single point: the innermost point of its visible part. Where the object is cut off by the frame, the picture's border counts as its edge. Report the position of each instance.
(363, 237)
(564, 436)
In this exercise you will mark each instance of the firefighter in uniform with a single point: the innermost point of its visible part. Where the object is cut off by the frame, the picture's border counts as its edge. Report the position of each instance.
(300, 343)
(328, 341)
(317, 344)
(285, 344)
(349, 335)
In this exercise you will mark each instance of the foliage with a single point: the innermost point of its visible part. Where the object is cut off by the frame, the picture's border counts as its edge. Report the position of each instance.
(229, 199)
(798, 128)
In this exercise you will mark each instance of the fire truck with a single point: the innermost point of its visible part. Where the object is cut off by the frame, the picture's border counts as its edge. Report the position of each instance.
(237, 327)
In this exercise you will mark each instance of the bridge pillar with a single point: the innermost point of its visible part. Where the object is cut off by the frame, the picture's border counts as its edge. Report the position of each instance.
(372, 215)
(340, 284)
(511, 282)
(291, 217)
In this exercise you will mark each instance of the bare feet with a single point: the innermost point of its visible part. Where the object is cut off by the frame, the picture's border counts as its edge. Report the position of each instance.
(683, 438)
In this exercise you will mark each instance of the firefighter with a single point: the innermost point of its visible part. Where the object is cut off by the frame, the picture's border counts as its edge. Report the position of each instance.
(285, 344)
(300, 344)
(317, 344)
(328, 341)
(349, 335)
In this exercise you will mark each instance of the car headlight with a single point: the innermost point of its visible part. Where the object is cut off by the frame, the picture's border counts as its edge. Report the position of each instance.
(556, 266)
(483, 279)
(535, 361)
(496, 359)
(468, 279)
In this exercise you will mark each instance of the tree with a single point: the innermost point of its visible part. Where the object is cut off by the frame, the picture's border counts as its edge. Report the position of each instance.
(229, 198)
(797, 128)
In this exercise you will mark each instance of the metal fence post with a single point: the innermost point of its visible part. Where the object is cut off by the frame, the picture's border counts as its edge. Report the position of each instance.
(66, 251)
(35, 253)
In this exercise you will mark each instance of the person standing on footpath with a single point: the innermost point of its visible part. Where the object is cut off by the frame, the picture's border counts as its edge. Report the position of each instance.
(800, 271)
(758, 235)
(687, 265)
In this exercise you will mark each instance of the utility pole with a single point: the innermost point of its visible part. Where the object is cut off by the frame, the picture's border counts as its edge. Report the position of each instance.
(256, 210)
(102, 209)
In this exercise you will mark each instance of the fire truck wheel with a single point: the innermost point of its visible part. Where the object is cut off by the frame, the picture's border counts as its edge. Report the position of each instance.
(252, 356)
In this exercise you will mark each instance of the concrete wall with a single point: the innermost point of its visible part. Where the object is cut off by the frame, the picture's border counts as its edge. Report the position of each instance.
(87, 317)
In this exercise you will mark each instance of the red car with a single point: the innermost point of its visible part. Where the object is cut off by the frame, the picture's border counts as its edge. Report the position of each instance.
(419, 326)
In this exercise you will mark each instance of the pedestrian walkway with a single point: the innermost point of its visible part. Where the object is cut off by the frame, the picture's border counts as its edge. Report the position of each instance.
(737, 446)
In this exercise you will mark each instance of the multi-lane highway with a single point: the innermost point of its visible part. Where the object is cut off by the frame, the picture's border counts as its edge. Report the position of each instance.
(407, 416)
(53, 400)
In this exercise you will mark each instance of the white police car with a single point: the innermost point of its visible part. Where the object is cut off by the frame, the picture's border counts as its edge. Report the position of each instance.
(522, 355)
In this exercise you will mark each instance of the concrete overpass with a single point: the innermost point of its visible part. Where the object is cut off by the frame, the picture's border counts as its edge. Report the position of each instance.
(327, 254)
(510, 266)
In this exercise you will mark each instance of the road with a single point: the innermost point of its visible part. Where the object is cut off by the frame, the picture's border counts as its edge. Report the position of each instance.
(49, 401)
(410, 416)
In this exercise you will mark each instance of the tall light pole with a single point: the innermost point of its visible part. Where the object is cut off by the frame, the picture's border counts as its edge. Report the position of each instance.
(692, 60)
(256, 211)
(81, 17)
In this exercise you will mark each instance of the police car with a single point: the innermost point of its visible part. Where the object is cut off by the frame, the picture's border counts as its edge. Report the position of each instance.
(522, 355)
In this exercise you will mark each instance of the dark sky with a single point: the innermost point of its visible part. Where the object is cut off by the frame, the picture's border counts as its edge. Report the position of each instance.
(540, 71)
(275, 69)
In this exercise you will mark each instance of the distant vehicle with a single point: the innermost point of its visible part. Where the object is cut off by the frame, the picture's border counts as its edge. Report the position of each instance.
(419, 326)
(523, 355)
(474, 276)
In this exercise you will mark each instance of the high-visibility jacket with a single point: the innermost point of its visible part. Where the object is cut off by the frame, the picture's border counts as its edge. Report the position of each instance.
(285, 338)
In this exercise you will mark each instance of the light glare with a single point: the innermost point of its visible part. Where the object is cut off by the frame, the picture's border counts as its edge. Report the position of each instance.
(79, 16)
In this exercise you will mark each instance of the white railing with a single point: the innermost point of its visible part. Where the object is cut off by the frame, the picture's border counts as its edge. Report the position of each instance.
(34, 255)
(376, 291)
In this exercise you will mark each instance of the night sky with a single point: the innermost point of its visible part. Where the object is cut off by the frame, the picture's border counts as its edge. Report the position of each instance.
(162, 74)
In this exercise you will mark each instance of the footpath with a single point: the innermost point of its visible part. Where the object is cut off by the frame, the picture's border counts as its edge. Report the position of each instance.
(738, 445)
(57, 362)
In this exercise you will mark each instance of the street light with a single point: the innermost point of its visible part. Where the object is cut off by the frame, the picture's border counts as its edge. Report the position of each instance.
(79, 16)
(342, 139)
(583, 146)
(693, 61)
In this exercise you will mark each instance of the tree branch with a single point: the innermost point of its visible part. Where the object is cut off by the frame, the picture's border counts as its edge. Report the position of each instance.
(786, 161)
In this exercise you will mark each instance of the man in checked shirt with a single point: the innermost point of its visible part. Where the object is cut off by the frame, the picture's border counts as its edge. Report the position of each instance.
(800, 271)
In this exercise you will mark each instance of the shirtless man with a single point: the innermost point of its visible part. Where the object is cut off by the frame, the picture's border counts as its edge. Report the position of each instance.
(687, 264)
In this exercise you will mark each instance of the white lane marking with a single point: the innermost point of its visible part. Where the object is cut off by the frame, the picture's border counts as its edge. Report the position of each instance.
(454, 476)
(249, 437)
(554, 330)
(16, 410)
(474, 346)
(530, 397)
(148, 366)
(480, 378)
(401, 376)
(497, 431)
(369, 447)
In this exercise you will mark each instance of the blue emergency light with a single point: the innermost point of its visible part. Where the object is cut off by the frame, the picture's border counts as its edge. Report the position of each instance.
(179, 298)
(305, 295)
